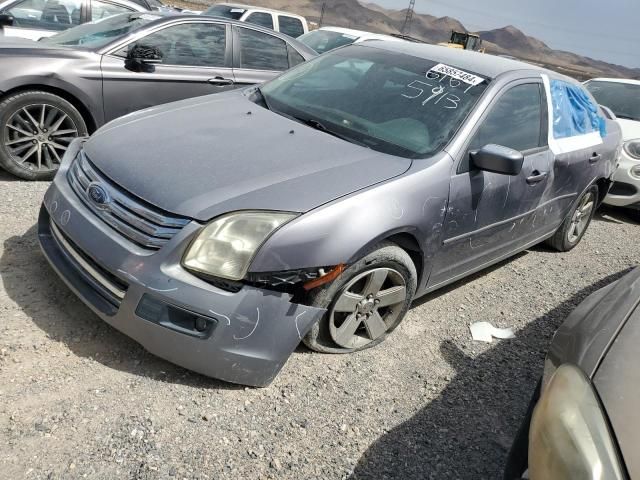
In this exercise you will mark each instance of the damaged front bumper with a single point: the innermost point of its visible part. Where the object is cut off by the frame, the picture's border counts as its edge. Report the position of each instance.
(241, 337)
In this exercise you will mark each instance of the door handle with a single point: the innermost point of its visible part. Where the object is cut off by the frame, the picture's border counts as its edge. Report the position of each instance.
(595, 158)
(536, 177)
(220, 81)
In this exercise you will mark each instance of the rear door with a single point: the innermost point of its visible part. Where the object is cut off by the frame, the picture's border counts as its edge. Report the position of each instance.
(491, 215)
(196, 60)
(259, 56)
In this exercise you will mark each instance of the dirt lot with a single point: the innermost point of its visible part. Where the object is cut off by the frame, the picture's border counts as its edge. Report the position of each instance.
(80, 400)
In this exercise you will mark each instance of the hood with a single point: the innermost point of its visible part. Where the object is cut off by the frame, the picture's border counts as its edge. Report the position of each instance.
(210, 155)
(630, 129)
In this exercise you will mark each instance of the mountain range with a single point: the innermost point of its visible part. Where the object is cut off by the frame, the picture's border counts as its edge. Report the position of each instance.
(502, 41)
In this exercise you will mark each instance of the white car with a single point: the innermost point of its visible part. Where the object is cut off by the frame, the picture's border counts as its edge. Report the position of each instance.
(328, 38)
(284, 22)
(623, 99)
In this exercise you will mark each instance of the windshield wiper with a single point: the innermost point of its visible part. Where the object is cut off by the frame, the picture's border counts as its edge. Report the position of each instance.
(315, 124)
(627, 117)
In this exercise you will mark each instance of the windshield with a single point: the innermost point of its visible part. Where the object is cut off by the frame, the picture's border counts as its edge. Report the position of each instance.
(386, 101)
(100, 33)
(324, 40)
(622, 98)
(225, 11)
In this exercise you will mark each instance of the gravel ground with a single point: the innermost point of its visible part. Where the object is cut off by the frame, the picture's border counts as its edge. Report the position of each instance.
(80, 400)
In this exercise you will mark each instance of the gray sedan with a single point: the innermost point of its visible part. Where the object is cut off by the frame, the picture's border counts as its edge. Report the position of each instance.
(583, 425)
(221, 231)
(68, 85)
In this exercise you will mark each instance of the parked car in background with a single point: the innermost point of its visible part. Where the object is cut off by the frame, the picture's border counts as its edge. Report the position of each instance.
(623, 98)
(399, 168)
(288, 23)
(582, 421)
(68, 85)
(327, 38)
(35, 19)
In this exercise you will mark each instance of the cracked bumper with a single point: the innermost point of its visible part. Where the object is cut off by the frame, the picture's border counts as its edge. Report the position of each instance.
(250, 334)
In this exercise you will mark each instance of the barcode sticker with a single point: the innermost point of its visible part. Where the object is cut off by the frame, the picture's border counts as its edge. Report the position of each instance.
(461, 75)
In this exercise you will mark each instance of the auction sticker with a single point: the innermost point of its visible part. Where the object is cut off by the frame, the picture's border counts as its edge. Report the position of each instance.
(461, 75)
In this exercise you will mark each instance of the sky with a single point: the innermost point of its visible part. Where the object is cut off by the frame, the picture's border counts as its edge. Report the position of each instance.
(607, 30)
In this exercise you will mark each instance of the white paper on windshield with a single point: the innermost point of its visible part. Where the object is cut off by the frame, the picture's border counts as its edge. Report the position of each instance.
(461, 75)
(148, 16)
(237, 10)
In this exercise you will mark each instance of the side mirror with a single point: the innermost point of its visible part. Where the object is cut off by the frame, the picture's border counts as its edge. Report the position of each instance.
(6, 20)
(143, 58)
(498, 159)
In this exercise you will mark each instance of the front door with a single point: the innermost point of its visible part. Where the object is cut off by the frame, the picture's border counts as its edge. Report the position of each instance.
(491, 215)
(196, 60)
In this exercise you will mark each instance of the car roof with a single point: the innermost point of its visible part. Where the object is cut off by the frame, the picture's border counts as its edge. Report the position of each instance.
(255, 7)
(627, 81)
(483, 64)
(357, 33)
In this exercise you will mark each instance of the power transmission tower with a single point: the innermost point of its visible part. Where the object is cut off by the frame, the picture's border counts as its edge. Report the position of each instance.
(406, 26)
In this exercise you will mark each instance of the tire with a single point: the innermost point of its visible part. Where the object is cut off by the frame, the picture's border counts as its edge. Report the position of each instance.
(330, 333)
(576, 222)
(35, 130)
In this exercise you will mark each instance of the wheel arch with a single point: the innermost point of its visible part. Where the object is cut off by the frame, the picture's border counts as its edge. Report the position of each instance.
(60, 92)
(403, 239)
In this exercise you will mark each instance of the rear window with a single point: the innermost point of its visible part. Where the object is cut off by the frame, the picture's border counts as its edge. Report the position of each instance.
(225, 11)
(290, 26)
(324, 40)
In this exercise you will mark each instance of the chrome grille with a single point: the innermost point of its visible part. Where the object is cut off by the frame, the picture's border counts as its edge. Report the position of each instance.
(138, 222)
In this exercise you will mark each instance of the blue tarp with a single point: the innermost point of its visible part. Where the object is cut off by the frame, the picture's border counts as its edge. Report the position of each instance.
(573, 112)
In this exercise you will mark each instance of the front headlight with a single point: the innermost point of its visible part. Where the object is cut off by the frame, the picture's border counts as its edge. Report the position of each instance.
(632, 147)
(226, 246)
(569, 438)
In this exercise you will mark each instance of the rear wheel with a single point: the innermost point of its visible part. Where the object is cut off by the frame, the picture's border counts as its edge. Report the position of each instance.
(576, 222)
(36, 129)
(366, 303)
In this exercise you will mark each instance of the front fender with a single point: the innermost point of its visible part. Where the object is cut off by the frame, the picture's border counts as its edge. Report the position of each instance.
(340, 231)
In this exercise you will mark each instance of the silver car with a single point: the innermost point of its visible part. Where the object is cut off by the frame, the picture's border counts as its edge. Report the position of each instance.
(35, 19)
(221, 231)
(68, 85)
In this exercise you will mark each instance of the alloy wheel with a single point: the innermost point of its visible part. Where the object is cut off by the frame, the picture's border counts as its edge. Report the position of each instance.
(581, 218)
(38, 135)
(367, 307)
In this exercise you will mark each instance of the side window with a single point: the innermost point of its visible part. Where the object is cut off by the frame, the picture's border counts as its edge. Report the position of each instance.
(261, 51)
(290, 26)
(294, 57)
(100, 10)
(261, 18)
(190, 44)
(46, 14)
(515, 121)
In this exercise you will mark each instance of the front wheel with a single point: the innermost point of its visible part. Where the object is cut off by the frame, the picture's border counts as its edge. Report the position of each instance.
(576, 222)
(366, 303)
(36, 129)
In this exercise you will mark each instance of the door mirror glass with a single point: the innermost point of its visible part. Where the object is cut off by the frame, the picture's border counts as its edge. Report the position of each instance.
(498, 159)
(6, 20)
(142, 58)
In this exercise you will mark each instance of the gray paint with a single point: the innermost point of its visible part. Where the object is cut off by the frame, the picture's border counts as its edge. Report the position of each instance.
(618, 384)
(98, 81)
(350, 197)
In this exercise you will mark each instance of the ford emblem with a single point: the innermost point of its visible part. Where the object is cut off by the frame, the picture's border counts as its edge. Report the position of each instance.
(98, 195)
